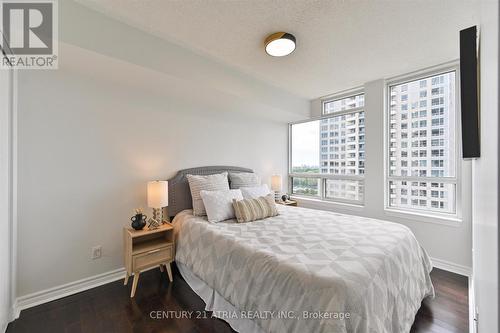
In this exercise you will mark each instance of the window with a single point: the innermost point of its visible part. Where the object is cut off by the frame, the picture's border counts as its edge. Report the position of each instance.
(438, 112)
(306, 186)
(437, 91)
(431, 162)
(437, 101)
(337, 176)
(337, 105)
(438, 121)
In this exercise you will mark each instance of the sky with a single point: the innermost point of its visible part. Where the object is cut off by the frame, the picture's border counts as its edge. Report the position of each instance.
(305, 144)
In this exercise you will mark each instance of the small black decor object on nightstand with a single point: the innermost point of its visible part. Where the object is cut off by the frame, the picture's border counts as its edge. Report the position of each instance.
(138, 220)
(285, 197)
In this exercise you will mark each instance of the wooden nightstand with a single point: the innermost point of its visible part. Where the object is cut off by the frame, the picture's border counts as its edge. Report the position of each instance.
(287, 203)
(146, 248)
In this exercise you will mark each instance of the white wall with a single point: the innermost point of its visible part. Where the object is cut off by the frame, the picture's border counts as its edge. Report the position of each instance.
(6, 118)
(485, 185)
(125, 108)
(450, 244)
(188, 72)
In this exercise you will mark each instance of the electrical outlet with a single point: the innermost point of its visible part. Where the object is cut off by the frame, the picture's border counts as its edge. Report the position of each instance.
(96, 252)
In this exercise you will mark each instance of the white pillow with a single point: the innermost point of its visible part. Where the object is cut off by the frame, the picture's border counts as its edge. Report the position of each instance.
(219, 204)
(197, 183)
(255, 191)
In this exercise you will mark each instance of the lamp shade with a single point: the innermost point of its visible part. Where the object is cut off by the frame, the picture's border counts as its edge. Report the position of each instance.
(276, 183)
(158, 194)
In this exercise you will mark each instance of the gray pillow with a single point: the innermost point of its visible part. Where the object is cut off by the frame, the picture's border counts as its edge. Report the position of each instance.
(243, 179)
(217, 182)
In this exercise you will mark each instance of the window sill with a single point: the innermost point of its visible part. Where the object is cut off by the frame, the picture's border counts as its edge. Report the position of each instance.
(314, 203)
(451, 221)
(309, 202)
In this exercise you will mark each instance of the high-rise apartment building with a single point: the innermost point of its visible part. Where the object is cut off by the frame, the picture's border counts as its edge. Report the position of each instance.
(422, 143)
(342, 147)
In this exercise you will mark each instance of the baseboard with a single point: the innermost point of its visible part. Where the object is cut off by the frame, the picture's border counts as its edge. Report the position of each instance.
(3, 329)
(9, 318)
(64, 290)
(12, 316)
(472, 307)
(451, 267)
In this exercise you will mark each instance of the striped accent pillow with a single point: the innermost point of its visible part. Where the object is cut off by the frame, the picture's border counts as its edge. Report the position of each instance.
(243, 179)
(255, 209)
(197, 183)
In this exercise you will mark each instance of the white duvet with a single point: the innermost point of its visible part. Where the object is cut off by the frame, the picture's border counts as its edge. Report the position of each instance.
(310, 270)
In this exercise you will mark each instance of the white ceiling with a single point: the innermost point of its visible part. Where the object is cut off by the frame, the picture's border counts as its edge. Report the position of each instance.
(340, 44)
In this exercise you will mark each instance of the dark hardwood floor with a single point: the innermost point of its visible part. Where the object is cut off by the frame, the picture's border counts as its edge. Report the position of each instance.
(449, 310)
(109, 309)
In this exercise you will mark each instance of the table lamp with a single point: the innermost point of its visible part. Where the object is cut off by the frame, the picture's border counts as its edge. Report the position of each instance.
(276, 184)
(158, 198)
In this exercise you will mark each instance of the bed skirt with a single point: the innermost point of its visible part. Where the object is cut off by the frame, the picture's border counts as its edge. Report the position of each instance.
(221, 308)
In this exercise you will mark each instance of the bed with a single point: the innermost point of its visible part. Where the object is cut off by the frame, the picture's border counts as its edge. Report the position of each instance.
(301, 271)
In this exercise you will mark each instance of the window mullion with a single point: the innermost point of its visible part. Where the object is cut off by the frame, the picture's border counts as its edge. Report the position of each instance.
(327, 176)
(425, 179)
(342, 113)
(323, 188)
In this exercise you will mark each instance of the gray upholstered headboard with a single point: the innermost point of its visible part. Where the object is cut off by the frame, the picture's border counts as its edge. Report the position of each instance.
(179, 195)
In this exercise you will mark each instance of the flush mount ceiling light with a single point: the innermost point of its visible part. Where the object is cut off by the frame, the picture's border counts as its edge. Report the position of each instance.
(280, 44)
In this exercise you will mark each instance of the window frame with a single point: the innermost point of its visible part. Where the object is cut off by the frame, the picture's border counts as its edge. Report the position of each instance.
(457, 179)
(321, 176)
